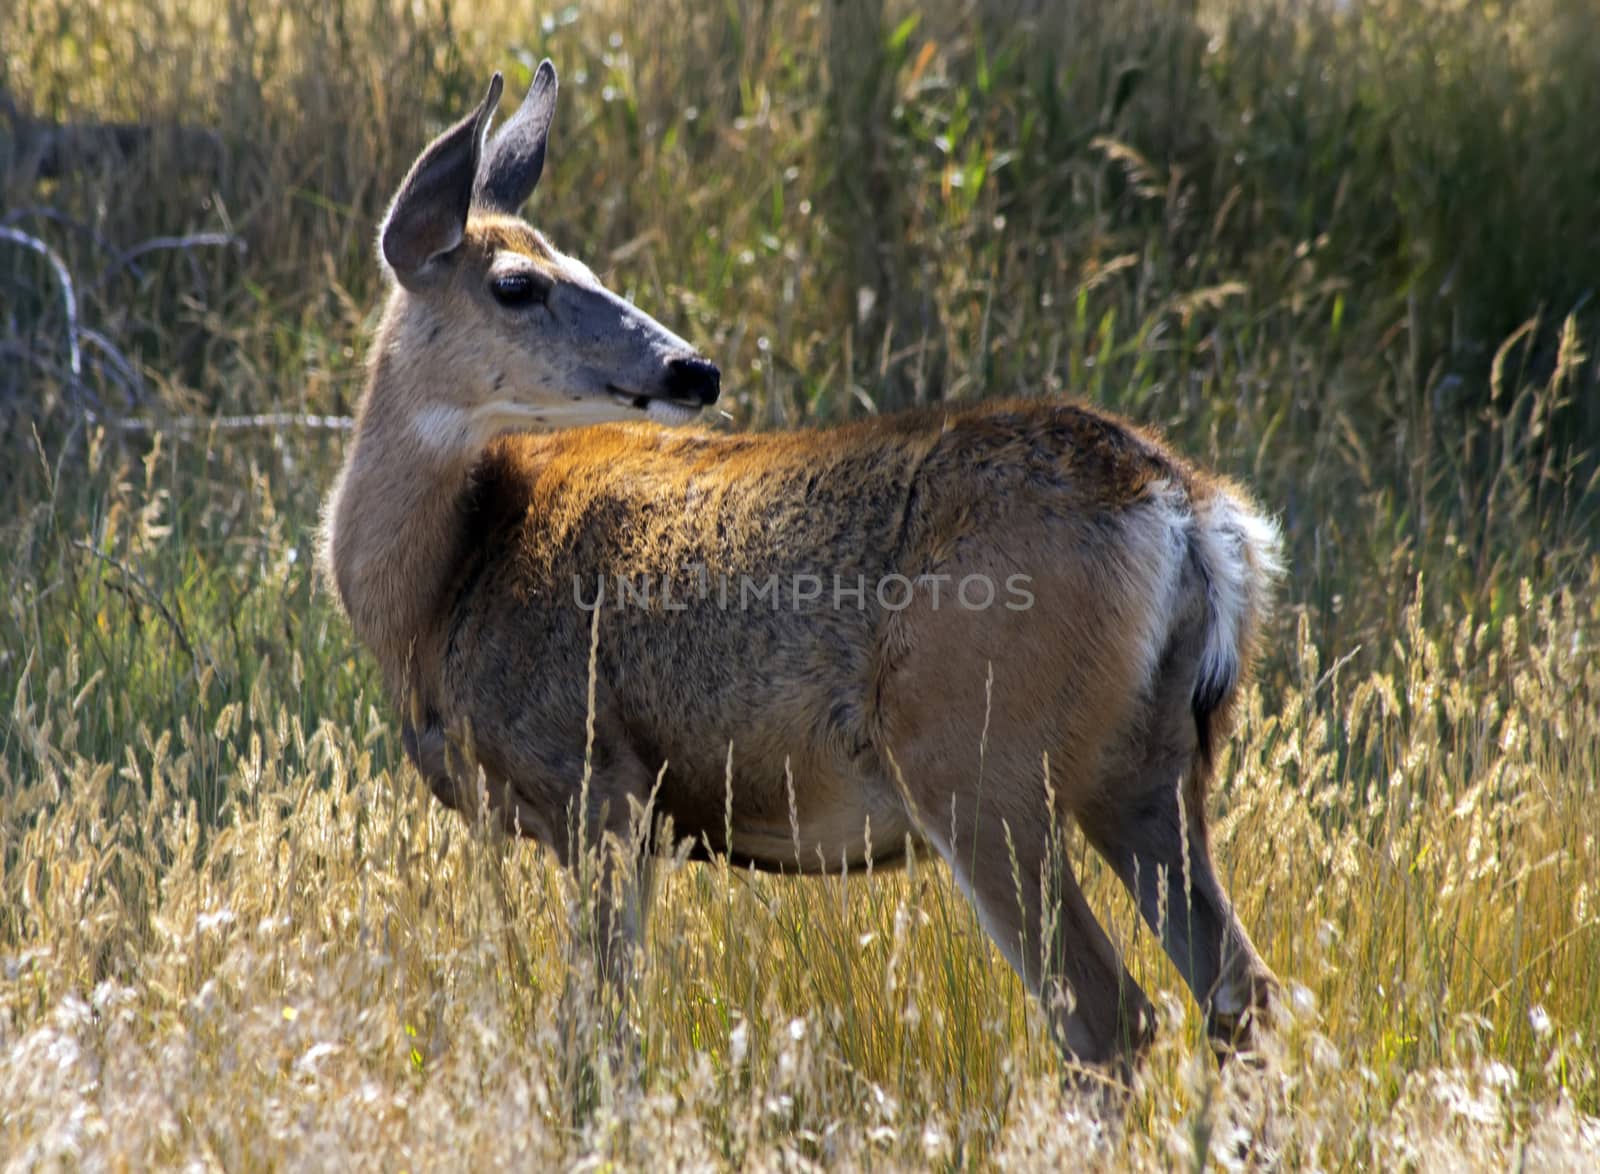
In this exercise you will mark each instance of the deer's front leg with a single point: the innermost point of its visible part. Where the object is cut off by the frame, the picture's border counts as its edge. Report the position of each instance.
(428, 749)
(603, 838)
(608, 851)
(609, 854)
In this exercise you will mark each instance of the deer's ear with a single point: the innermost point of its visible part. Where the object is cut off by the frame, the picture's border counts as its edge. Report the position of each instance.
(514, 158)
(429, 215)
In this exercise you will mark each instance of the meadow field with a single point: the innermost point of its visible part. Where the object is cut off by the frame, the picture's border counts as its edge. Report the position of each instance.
(1343, 252)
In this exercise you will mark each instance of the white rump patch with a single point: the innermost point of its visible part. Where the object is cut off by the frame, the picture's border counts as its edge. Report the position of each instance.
(1241, 552)
(1157, 535)
(1238, 550)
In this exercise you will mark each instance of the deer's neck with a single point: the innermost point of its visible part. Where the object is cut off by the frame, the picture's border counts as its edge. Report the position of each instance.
(390, 531)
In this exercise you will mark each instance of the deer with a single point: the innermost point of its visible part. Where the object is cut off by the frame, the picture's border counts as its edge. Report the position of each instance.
(1071, 612)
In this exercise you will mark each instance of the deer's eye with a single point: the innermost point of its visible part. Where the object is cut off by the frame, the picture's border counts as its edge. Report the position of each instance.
(516, 290)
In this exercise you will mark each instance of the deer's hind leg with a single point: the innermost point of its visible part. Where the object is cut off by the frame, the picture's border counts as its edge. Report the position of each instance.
(974, 701)
(1018, 877)
(1149, 821)
(990, 817)
(1159, 847)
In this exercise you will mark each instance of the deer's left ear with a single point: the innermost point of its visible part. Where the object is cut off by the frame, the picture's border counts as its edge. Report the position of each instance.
(514, 157)
(429, 215)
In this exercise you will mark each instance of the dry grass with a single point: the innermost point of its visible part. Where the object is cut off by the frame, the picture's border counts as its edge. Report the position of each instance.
(235, 931)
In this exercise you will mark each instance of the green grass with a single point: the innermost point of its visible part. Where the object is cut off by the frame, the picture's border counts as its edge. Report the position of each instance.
(1344, 253)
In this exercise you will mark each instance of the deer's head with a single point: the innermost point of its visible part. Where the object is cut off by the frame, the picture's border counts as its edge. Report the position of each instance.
(489, 327)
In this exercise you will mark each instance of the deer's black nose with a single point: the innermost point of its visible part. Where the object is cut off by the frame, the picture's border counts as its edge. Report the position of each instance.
(692, 379)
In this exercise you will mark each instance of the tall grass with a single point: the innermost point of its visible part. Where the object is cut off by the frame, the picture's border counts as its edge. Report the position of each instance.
(1341, 251)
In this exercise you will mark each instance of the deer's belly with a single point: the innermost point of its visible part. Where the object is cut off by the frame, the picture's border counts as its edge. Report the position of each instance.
(832, 822)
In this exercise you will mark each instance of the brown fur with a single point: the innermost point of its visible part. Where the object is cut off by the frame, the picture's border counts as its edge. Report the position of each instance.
(852, 731)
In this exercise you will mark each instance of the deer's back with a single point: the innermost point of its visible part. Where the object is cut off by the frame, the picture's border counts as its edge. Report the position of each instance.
(748, 589)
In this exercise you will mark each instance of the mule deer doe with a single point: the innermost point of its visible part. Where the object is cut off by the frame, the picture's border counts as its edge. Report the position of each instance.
(509, 461)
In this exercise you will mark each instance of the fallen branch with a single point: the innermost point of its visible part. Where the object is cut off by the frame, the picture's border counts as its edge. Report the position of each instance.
(69, 296)
(192, 241)
(278, 420)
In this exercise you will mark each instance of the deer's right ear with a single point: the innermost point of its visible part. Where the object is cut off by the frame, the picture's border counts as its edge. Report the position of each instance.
(429, 215)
